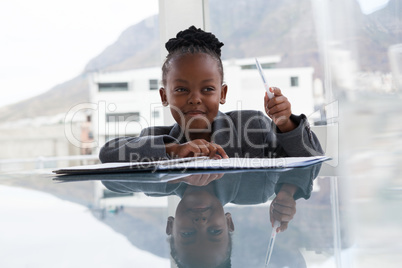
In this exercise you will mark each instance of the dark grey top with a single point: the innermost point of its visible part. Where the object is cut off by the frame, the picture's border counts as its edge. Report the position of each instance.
(240, 133)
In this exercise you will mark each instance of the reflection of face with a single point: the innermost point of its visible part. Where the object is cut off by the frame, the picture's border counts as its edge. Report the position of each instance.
(200, 229)
(194, 90)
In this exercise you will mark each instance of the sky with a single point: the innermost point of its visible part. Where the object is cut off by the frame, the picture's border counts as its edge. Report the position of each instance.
(369, 6)
(44, 43)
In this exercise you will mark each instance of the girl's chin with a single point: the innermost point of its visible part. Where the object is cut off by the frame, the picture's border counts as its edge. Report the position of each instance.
(198, 126)
(198, 199)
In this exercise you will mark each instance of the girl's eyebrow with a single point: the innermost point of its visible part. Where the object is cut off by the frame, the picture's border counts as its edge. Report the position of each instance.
(181, 80)
(207, 80)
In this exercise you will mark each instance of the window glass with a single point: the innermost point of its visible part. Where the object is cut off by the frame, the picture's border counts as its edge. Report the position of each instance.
(281, 36)
(123, 117)
(104, 87)
(294, 81)
(153, 84)
(340, 64)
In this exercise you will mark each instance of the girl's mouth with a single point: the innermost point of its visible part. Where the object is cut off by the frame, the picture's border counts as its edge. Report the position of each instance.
(194, 113)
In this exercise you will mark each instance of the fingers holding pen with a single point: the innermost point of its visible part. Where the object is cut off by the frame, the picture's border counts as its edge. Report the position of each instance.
(277, 100)
(271, 103)
(284, 219)
(283, 209)
(283, 213)
(279, 110)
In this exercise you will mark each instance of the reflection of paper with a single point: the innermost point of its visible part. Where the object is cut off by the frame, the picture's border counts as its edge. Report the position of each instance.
(150, 177)
(124, 166)
(196, 164)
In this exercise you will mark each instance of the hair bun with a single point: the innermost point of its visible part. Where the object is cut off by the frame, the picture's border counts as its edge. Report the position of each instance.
(196, 38)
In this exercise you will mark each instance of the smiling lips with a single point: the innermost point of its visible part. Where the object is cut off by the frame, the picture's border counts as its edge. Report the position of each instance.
(194, 113)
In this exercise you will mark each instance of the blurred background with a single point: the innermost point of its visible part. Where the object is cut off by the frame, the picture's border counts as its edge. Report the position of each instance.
(75, 74)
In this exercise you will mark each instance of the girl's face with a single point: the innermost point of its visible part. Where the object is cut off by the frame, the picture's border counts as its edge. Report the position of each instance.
(194, 91)
(200, 229)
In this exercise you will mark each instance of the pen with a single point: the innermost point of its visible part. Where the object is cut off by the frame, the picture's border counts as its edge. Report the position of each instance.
(270, 94)
(271, 242)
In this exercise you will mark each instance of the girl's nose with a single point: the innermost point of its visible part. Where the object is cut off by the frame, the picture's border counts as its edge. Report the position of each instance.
(195, 98)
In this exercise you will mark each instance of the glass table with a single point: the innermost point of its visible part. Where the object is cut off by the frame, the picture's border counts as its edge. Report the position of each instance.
(197, 219)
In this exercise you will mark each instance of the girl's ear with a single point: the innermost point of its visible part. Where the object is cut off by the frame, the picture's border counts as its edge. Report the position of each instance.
(224, 90)
(229, 221)
(162, 93)
(169, 225)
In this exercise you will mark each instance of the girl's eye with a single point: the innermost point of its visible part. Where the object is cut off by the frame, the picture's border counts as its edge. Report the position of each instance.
(187, 234)
(180, 89)
(209, 89)
(215, 231)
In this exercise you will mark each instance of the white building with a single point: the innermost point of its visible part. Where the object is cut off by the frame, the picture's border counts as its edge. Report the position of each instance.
(129, 101)
(246, 90)
(125, 102)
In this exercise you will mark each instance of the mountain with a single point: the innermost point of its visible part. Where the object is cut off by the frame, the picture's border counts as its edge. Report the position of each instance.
(250, 28)
(137, 47)
(381, 29)
(59, 99)
(283, 28)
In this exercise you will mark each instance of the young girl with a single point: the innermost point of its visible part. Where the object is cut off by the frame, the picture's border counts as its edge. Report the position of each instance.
(193, 88)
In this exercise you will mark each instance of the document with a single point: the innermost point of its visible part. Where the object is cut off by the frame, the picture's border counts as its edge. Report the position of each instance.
(140, 177)
(196, 163)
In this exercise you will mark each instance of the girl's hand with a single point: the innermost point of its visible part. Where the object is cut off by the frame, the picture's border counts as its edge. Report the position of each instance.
(283, 207)
(199, 147)
(279, 110)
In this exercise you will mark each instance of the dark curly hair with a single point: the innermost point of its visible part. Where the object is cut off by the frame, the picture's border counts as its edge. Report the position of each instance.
(192, 41)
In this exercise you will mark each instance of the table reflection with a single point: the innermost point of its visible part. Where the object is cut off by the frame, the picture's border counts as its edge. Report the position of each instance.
(202, 232)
